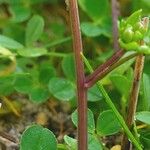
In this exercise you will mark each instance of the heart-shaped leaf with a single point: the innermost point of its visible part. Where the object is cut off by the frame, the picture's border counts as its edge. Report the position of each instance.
(91, 123)
(61, 88)
(38, 138)
(107, 123)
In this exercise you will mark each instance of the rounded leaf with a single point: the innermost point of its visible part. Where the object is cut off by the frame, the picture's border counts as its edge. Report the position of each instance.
(39, 94)
(94, 94)
(38, 138)
(23, 83)
(91, 30)
(72, 143)
(107, 123)
(61, 89)
(91, 122)
(143, 116)
(94, 143)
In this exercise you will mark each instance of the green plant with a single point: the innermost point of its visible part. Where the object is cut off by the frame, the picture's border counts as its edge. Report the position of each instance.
(31, 65)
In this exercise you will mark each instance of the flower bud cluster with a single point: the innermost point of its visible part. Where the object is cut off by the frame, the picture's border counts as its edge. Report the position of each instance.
(132, 32)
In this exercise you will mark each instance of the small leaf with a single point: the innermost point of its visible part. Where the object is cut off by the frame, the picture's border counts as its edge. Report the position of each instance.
(38, 138)
(95, 9)
(6, 85)
(46, 73)
(94, 143)
(91, 30)
(32, 52)
(19, 13)
(145, 139)
(143, 116)
(68, 67)
(122, 84)
(38, 94)
(107, 123)
(134, 18)
(91, 123)
(9, 43)
(34, 29)
(146, 92)
(61, 89)
(72, 143)
(94, 94)
(23, 83)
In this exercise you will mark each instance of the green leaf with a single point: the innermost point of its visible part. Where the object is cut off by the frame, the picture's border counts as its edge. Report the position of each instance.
(146, 92)
(96, 9)
(107, 123)
(91, 30)
(19, 13)
(9, 43)
(72, 143)
(39, 94)
(68, 67)
(38, 138)
(61, 89)
(122, 84)
(32, 52)
(145, 139)
(93, 143)
(23, 83)
(6, 85)
(91, 123)
(143, 116)
(134, 18)
(46, 72)
(34, 29)
(94, 94)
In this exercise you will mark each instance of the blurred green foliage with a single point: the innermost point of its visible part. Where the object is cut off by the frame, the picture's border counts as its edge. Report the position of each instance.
(36, 33)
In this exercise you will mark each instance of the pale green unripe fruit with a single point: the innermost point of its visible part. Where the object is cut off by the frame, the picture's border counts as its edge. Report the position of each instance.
(127, 35)
(144, 49)
(140, 27)
(137, 36)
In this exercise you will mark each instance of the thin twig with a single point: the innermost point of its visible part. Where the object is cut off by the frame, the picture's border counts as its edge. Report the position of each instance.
(134, 97)
(115, 13)
(114, 66)
(94, 77)
(81, 90)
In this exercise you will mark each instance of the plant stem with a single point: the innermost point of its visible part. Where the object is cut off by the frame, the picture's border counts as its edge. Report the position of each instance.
(112, 106)
(115, 13)
(81, 90)
(134, 97)
(93, 77)
(103, 72)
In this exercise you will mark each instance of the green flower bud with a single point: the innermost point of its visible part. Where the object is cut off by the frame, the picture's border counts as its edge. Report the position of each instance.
(144, 49)
(127, 35)
(140, 27)
(132, 46)
(137, 36)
